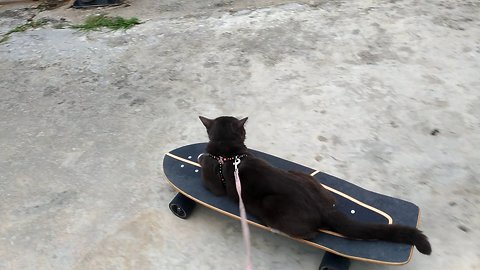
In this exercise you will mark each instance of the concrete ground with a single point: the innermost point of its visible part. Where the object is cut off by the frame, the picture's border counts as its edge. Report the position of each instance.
(382, 93)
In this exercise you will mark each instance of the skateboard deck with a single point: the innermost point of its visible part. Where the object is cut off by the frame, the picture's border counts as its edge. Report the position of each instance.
(183, 173)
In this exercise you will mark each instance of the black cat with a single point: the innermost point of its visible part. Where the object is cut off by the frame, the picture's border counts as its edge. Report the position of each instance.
(291, 202)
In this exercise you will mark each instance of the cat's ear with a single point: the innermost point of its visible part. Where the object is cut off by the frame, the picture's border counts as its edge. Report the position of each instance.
(206, 122)
(242, 121)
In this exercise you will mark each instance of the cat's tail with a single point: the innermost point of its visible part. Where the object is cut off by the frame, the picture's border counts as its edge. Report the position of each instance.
(344, 225)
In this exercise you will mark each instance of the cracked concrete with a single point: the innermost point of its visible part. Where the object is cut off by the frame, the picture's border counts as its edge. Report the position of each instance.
(381, 93)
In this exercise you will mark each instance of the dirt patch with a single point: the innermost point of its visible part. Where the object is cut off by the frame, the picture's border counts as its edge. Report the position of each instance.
(130, 247)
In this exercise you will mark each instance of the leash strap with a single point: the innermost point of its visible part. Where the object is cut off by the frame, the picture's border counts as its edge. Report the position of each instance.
(243, 216)
(221, 160)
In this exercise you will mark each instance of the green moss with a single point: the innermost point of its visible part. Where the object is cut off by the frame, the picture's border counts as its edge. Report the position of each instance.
(28, 25)
(4, 38)
(91, 23)
(99, 21)
(23, 28)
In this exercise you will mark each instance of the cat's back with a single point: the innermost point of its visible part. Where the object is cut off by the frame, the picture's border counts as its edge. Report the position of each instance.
(267, 177)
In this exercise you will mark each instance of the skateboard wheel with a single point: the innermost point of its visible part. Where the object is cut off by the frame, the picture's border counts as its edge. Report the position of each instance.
(181, 206)
(331, 261)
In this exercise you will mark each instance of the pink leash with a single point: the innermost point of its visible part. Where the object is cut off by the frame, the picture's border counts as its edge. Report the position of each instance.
(243, 216)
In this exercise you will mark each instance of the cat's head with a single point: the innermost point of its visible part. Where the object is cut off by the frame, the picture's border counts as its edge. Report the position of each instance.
(225, 128)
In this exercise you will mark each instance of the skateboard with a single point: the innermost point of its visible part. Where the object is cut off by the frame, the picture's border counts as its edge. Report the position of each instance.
(184, 174)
